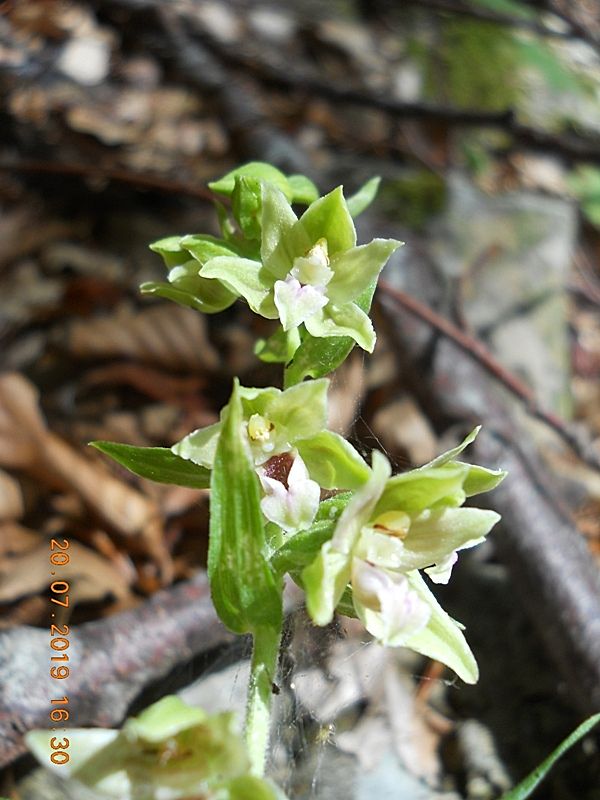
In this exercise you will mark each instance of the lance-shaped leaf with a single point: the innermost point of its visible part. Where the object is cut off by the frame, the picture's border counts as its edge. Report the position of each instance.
(244, 588)
(363, 198)
(158, 464)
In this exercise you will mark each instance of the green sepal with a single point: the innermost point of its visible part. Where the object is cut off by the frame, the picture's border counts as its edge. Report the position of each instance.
(332, 461)
(419, 489)
(329, 218)
(157, 464)
(363, 198)
(317, 357)
(171, 250)
(188, 288)
(302, 190)
(203, 247)
(245, 591)
(442, 638)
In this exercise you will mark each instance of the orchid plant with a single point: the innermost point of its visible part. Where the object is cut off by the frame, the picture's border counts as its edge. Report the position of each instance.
(288, 495)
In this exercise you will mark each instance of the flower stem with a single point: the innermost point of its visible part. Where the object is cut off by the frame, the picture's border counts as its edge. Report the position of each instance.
(265, 655)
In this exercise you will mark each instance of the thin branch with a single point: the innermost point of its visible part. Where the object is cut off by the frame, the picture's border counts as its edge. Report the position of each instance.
(490, 363)
(487, 15)
(88, 171)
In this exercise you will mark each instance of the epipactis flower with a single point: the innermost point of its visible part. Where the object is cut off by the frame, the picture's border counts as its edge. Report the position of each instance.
(392, 528)
(293, 421)
(310, 272)
(291, 505)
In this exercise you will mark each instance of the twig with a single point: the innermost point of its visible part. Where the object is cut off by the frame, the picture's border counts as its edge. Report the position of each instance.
(490, 363)
(142, 181)
(487, 15)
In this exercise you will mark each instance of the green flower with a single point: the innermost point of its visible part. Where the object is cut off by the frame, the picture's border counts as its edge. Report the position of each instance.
(392, 528)
(290, 421)
(310, 270)
(171, 750)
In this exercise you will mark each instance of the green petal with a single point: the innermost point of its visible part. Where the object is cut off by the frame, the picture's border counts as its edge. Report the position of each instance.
(363, 198)
(480, 479)
(345, 320)
(434, 535)
(199, 446)
(357, 268)
(330, 219)
(84, 744)
(332, 461)
(442, 638)
(247, 278)
(324, 582)
(282, 239)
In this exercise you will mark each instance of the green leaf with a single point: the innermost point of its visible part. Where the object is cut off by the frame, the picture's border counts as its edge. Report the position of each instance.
(303, 548)
(246, 278)
(257, 170)
(528, 785)
(356, 269)
(278, 348)
(156, 463)
(317, 357)
(302, 189)
(245, 591)
(442, 639)
(332, 461)
(363, 198)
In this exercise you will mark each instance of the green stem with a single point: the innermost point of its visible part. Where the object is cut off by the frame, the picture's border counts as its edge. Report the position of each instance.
(263, 668)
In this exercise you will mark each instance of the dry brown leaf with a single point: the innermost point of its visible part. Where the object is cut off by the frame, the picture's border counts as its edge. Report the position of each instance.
(166, 335)
(90, 576)
(405, 431)
(15, 539)
(27, 444)
(11, 497)
(346, 394)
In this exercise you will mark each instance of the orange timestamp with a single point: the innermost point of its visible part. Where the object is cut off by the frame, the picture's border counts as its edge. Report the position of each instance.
(59, 644)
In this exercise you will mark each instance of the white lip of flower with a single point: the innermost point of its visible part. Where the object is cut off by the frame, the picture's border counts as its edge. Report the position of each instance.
(294, 507)
(441, 572)
(302, 293)
(386, 604)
